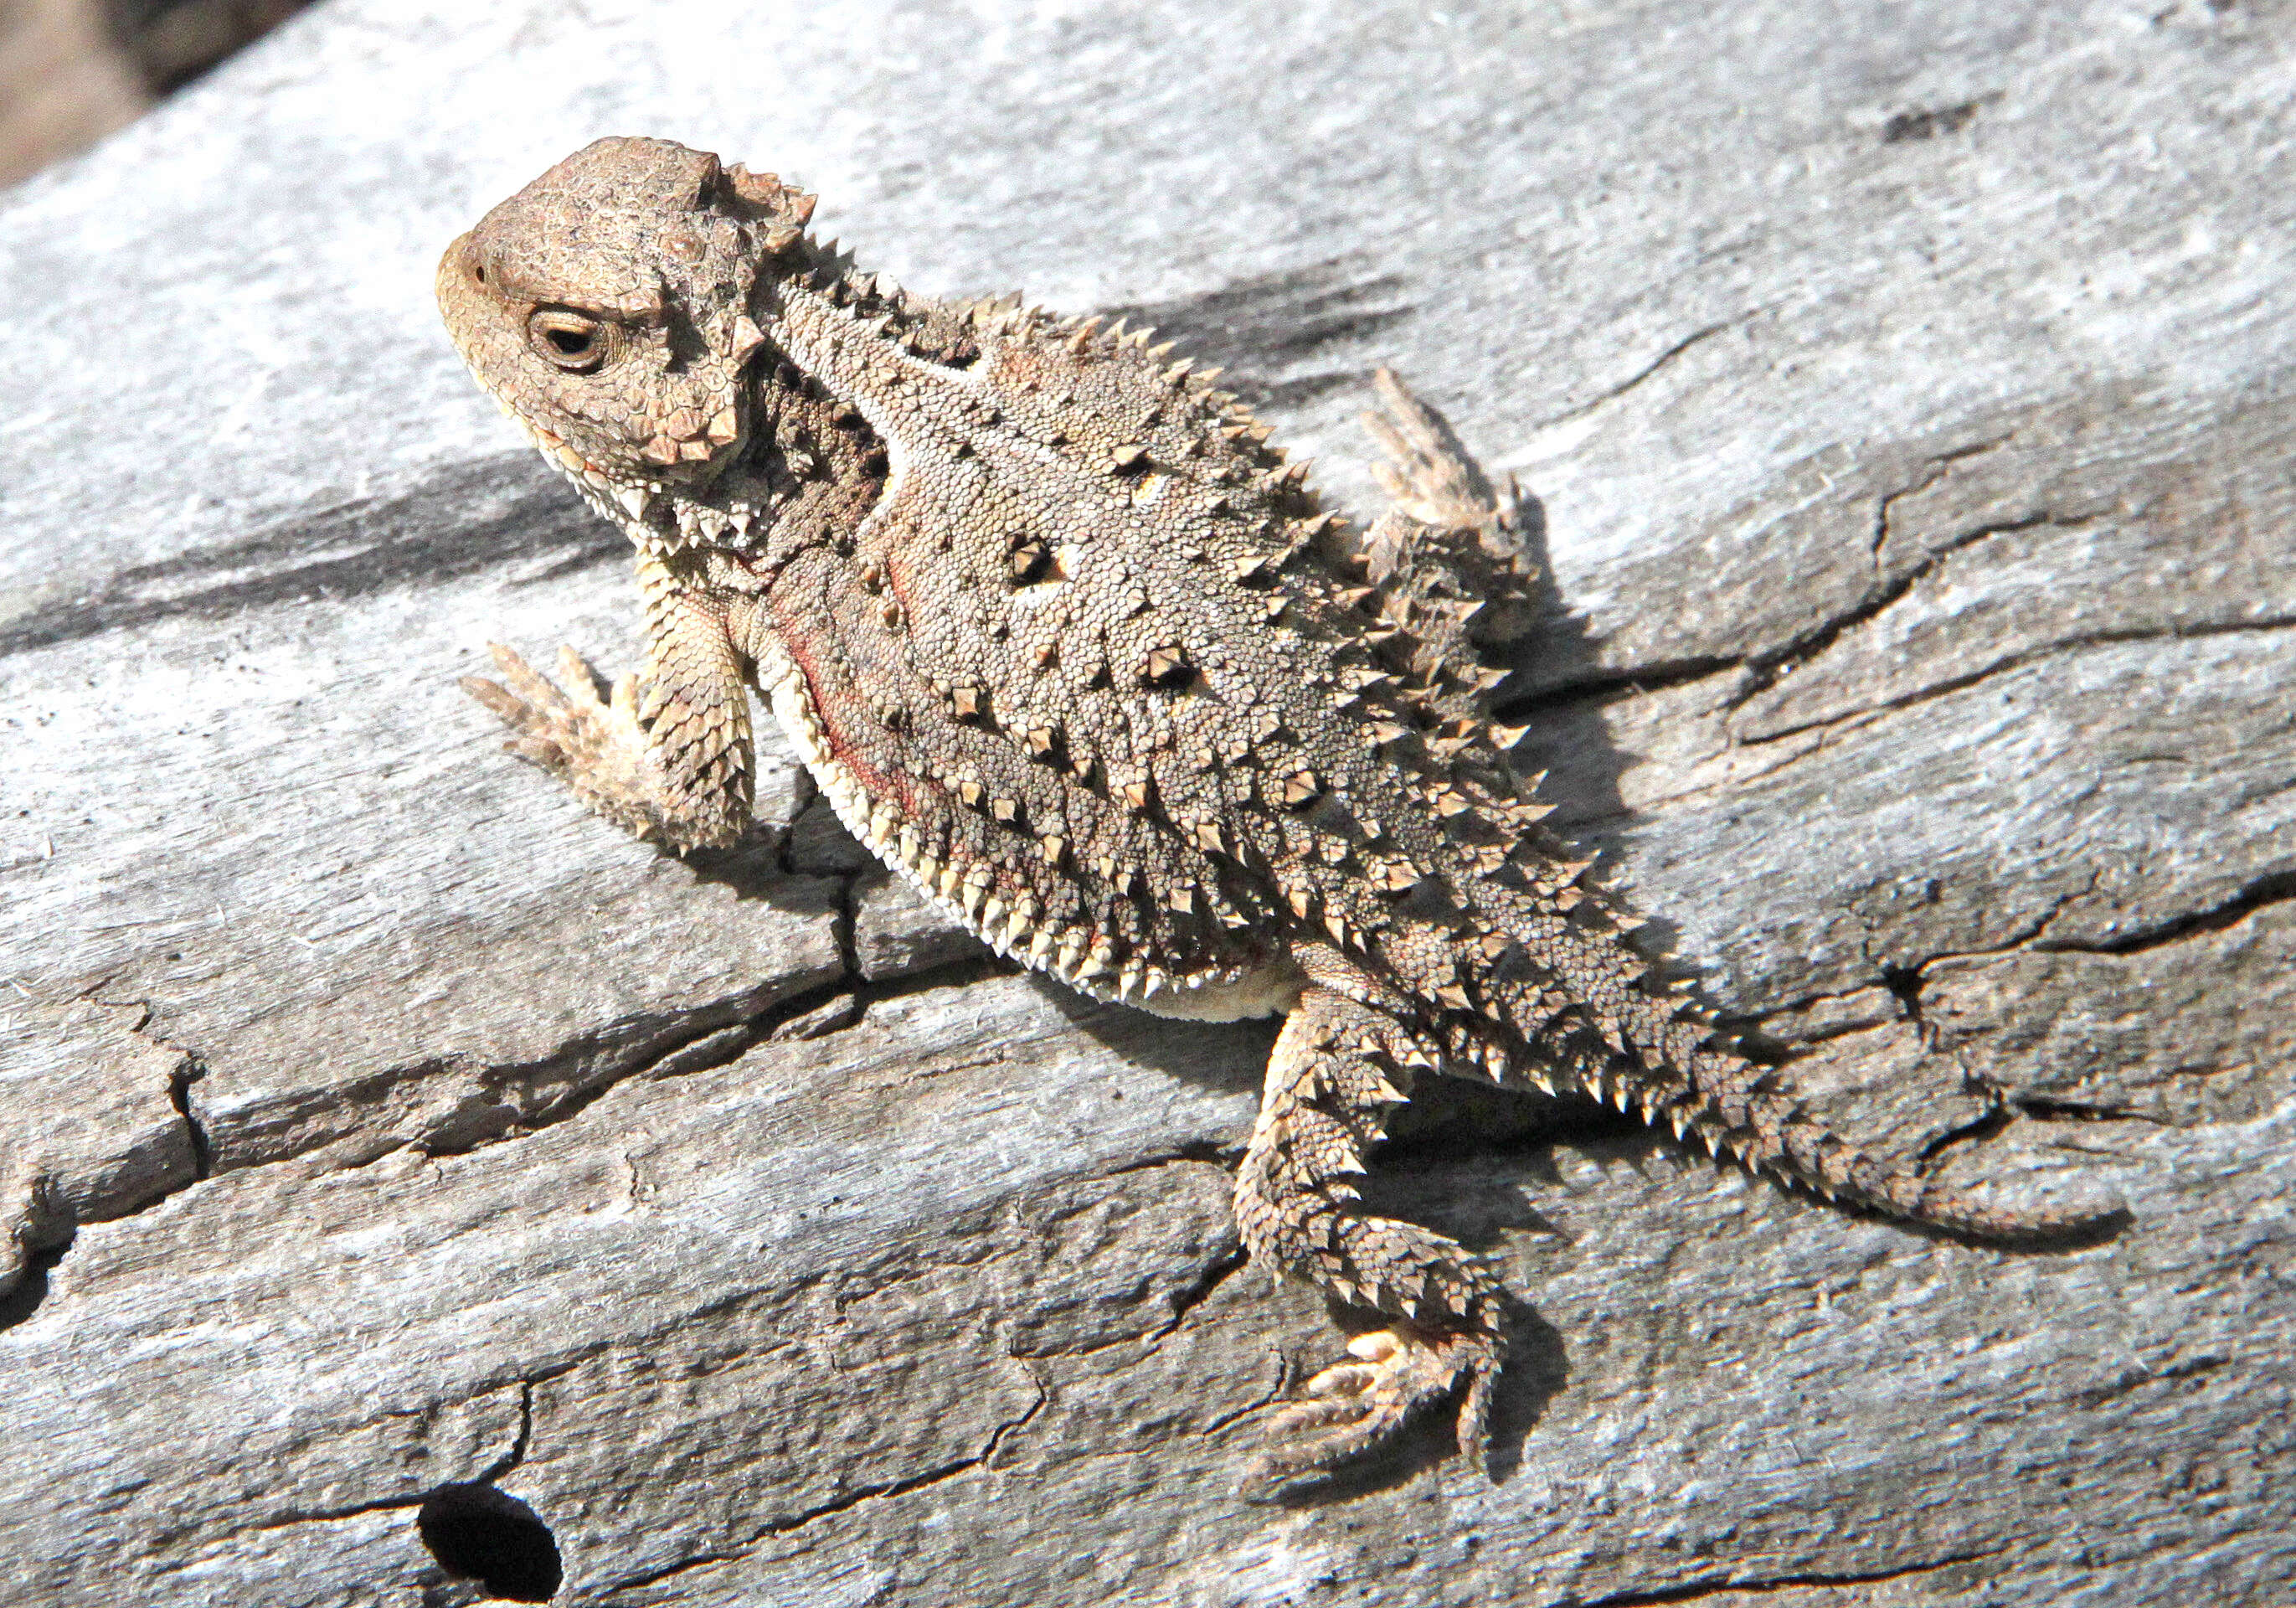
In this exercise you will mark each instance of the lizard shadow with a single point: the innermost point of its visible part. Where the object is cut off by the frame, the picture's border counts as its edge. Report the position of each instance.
(1557, 687)
(1227, 1057)
(1557, 690)
(755, 867)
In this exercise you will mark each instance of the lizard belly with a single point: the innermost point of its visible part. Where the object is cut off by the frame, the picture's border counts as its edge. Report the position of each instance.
(1222, 994)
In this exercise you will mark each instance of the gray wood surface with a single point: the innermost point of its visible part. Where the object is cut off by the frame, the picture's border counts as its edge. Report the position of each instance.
(1908, 395)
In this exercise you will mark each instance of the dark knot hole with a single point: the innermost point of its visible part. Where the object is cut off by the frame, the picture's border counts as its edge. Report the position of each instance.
(488, 1536)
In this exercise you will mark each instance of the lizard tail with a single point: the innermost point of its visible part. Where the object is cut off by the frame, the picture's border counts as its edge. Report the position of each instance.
(1739, 1108)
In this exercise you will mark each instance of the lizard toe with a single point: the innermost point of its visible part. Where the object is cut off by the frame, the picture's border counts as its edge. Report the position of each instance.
(1352, 1408)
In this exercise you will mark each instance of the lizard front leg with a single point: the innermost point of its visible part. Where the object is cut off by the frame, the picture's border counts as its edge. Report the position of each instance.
(666, 755)
(1336, 1068)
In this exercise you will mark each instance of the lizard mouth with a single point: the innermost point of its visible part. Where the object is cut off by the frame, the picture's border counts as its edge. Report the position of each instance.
(732, 504)
(660, 514)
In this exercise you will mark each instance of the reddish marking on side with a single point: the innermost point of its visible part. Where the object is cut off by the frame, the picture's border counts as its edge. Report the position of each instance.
(873, 782)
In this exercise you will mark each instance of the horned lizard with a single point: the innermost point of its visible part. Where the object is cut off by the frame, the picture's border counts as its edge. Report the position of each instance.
(1068, 644)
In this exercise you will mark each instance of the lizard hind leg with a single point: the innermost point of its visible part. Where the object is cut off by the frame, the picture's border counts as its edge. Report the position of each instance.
(1337, 1066)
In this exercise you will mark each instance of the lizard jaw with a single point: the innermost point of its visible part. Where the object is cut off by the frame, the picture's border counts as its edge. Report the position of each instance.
(639, 506)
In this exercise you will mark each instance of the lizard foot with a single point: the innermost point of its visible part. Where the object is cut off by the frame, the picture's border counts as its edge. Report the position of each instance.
(1452, 545)
(596, 744)
(1353, 1408)
(1428, 475)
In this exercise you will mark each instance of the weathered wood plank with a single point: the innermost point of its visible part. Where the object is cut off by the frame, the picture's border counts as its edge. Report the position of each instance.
(1907, 396)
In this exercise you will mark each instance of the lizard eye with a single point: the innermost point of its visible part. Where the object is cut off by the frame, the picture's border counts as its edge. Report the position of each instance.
(572, 340)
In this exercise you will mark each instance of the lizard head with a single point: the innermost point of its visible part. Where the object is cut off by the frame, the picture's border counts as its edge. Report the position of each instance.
(607, 307)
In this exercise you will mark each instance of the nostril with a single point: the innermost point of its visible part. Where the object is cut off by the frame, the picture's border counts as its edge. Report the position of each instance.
(488, 1536)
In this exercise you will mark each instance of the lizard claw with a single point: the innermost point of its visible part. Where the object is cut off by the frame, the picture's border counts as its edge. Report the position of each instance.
(583, 682)
(597, 747)
(1428, 475)
(1353, 1408)
(549, 728)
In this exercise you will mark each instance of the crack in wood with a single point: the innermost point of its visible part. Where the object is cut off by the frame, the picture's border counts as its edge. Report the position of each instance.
(1713, 1585)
